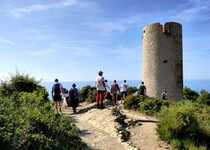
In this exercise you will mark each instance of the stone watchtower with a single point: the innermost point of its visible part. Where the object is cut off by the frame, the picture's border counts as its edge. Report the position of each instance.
(162, 59)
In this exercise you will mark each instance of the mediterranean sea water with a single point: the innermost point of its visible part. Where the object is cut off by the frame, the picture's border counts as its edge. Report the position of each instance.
(196, 85)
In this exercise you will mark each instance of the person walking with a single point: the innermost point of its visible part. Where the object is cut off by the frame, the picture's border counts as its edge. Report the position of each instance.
(108, 91)
(142, 90)
(164, 95)
(57, 91)
(74, 97)
(115, 90)
(101, 90)
(124, 89)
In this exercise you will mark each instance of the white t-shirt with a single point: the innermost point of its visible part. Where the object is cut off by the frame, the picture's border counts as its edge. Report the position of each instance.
(100, 83)
(107, 87)
(124, 87)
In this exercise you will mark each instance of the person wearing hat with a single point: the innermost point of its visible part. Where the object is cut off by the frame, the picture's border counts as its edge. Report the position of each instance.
(101, 90)
(74, 97)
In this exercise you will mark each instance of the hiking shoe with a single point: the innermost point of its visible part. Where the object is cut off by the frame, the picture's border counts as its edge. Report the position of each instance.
(97, 106)
(102, 107)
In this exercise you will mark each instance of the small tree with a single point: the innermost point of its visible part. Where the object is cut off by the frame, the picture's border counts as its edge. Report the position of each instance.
(204, 97)
(189, 94)
(132, 90)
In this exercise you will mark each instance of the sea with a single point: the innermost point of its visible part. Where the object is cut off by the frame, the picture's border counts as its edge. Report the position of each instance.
(196, 85)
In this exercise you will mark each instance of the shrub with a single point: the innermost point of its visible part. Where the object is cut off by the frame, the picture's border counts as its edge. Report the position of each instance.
(147, 105)
(21, 83)
(122, 125)
(204, 97)
(88, 94)
(189, 94)
(131, 102)
(152, 106)
(116, 111)
(91, 96)
(182, 126)
(84, 92)
(125, 135)
(132, 90)
(28, 121)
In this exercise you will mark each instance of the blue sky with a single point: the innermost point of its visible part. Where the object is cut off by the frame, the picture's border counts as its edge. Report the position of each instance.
(73, 39)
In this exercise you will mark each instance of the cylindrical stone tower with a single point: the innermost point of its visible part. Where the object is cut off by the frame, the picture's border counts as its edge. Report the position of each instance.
(162, 60)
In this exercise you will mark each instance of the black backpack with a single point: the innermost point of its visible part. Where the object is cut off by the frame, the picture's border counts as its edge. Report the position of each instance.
(142, 90)
(74, 94)
(57, 89)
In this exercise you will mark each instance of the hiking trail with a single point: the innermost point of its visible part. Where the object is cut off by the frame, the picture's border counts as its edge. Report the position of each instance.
(97, 129)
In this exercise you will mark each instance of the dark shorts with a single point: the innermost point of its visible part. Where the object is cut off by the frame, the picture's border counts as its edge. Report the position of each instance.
(74, 102)
(124, 94)
(108, 96)
(57, 98)
(114, 96)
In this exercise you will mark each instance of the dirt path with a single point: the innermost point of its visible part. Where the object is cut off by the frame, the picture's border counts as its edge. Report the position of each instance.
(145, 136)
(98, 130)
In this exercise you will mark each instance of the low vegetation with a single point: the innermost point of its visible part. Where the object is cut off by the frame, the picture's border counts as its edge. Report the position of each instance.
(189, 94)
(88, 94)
(132, 90)
(132, 102)
(184, 124)
(28, 121)
(122, 125)
(147, 105)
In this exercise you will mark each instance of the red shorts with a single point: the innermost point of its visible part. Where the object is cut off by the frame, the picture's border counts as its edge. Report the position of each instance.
(100, 96)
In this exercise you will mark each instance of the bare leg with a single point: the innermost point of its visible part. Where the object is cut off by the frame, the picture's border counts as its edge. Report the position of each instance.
(98, 99)
(60, 105)
(74, 109)
(56, 106)
(114, 100)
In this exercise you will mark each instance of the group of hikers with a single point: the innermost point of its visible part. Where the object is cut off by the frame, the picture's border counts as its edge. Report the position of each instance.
(104, 91)
(59, 97)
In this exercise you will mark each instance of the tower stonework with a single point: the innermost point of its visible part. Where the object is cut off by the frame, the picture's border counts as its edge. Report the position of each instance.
(162, 60)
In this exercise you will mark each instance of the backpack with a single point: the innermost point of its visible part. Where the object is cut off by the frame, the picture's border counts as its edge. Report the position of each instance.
(164, 96)
(115, 88)
(57, 89)
(74, 94)
(142, 90)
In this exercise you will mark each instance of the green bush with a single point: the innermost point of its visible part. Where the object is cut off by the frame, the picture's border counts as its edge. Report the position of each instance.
(88, 94)
(131, 102)
(189, 94)
(116, 111)
(185, 125)
(132, 90)
(91, 96)
(204, 97)
(147, 105)
(21, 83)
(122, 125)
(152, 106)
(28, 121)
(84, 92)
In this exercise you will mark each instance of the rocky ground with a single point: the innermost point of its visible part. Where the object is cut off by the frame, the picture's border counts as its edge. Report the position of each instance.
(97, 129)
